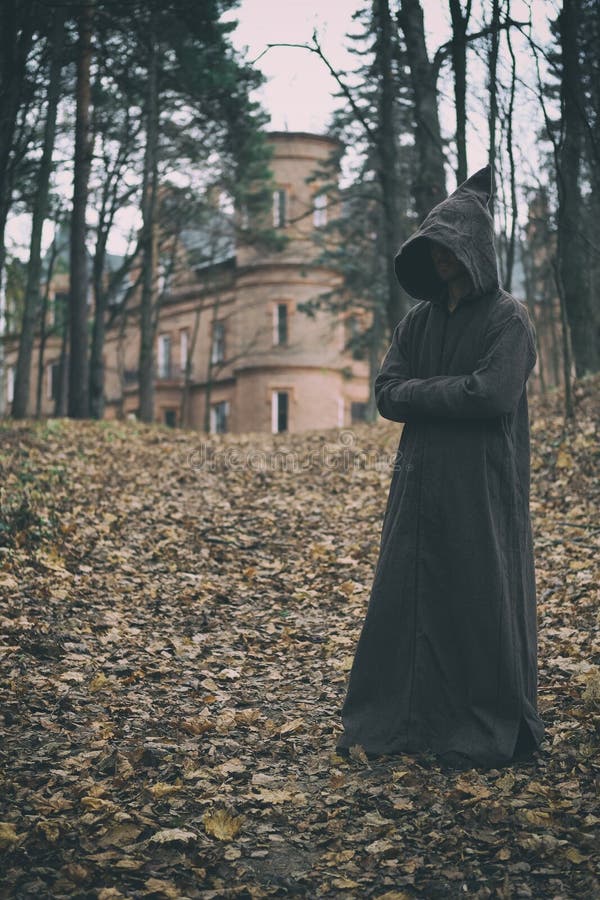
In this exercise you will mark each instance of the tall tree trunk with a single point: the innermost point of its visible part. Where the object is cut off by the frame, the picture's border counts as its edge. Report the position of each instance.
(538, 322)
(149, 236)
(31, 305)
(184, 411)
(60, 402)
(511, 245)
(78, 403)
(16, 34)
(387, 162)
(577, 301)
(43, 329)
(98, 333)
(553, 312)
(430, 186)
(460, 23)
(211, 368)
(493, 93)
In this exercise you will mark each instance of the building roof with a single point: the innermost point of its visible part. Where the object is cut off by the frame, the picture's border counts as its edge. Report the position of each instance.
(313, 136)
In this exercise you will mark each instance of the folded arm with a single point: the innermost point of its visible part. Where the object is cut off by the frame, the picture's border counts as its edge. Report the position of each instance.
(493, 389)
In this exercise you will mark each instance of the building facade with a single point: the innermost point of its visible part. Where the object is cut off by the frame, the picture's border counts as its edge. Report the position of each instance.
(233, 350)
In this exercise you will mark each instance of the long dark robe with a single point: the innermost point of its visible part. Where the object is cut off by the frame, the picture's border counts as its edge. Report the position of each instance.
(447, 655)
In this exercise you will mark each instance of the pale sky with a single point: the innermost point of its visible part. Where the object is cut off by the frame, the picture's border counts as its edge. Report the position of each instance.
(299, 88)
(298, 93)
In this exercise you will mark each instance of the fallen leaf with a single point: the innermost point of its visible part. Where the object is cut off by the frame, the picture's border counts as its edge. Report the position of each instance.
(168, 835)
(221, 824)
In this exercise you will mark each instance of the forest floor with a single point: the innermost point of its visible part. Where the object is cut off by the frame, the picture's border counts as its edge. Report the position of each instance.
(178, 616)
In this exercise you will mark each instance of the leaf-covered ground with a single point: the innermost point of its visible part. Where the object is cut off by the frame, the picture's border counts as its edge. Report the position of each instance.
(178, 619)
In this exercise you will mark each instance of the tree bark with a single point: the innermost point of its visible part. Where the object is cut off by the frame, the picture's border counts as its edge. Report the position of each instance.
(430, 186)
(493, 93)
(78, 402)
(510, 249)
(43, 329)
(571, 263)
(460, 23)
(31, 306)
(16, 34)
(149, 236)
(387, 163)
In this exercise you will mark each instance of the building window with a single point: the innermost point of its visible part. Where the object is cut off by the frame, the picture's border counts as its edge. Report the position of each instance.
(358, 412)
(170, 417)
(244, 217)
(218, 343)
(184, 339)
(219, 414)
(52, 378)
(164, 356)
(320, 211)
(10, 384)
(279, 208)
(280, 324)
(130, 376)
(279, 411)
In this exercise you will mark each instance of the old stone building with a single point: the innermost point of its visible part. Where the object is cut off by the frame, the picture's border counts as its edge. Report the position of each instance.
(233, 351)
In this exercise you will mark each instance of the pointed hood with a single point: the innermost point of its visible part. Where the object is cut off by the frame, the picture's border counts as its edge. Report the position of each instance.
(462, 223)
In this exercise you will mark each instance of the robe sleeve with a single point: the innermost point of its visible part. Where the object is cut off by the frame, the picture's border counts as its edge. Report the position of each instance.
(493, 389)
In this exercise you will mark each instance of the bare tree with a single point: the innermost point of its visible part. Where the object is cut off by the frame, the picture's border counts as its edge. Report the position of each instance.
(78, 400)
(31, 308)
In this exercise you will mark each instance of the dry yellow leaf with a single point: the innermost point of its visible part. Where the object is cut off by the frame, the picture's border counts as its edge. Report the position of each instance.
(292, 725)
(123, 768)
(8, 835)
(536, 816)
(98, 682)
(167, 835)
(231, 765)
(574, 856)
(281, 796)
(221, 824)
(247, 716)
(49, 829)
(197, 725)
(8, 581)
(162, 888)
(337, 857)
(121, 834)
(357, 752)
(225, 721)
(162, 789)
(380, 846)
(347, 588)
(506, 782)
(76, 872)
(97, 804)
(564, 460)
(466, 785)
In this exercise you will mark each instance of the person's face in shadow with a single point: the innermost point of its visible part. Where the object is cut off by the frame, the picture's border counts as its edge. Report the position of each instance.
(447, 266)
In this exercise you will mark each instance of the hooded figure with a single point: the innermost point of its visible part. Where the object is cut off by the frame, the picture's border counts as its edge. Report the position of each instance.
(447, 657)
